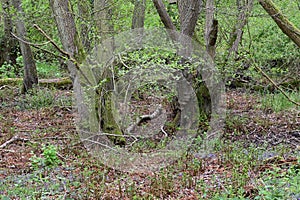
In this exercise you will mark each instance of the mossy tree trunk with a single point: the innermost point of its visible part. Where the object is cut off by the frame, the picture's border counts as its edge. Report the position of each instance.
(104, 26)
(282, 21)
(189, 11)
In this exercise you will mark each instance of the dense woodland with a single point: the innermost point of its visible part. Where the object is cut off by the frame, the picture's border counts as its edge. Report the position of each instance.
(141, 99)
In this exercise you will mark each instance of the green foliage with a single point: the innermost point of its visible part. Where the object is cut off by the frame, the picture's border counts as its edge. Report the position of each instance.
(49, 159)
(278, 184)
(9, 70)
(278, 102)
(48, 70)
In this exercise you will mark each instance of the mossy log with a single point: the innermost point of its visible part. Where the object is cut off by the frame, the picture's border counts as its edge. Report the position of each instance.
(59, 83)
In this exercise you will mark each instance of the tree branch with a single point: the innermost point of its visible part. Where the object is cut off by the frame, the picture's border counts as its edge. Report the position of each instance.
(283, 23)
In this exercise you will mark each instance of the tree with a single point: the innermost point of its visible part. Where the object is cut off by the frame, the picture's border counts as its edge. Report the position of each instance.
(244, 10)
(189, 11)
(8, 44)
(138, 17)
(282, 21)
(84, 11)
(103, 18)
(211, 28)
(30, 72)
(71, 41)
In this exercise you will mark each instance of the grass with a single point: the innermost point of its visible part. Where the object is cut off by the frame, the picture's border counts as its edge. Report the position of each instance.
(278, 102)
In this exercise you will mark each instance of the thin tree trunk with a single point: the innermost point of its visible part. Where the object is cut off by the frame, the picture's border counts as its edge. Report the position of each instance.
(163, 14)
(138, 17)
(68, 33)
(244, 10)
(84, 11)
(30, 73)
(283, 23)
(103, 18)
(211, 29)
(8, 45)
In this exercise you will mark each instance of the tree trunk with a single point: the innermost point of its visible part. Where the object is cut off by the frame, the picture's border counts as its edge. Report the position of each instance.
(104, 24)
(30, 73)
(211, 29)
(8, 44)
(283, 23)
(165, 18)
(103, 18)
(84, 11)
(244, 10)
(138, 17)
(68, 33)
(189, 11)
(70, 40)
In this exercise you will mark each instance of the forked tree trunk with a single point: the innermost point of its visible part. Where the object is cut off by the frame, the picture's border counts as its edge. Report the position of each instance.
(104, 24)
(30, 73)
(189, 11)
(282, 21)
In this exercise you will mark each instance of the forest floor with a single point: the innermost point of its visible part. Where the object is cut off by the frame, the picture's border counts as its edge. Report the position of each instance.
(258, 158)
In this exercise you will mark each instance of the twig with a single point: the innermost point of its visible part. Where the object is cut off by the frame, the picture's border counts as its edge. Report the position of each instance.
(126, 66)
(4, 86)
(11, 140)
(273, 83)
(37, 46)
(29, 43)
(162, 129)
(69, 56)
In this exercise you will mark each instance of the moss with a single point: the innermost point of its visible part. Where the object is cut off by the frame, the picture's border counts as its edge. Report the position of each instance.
(204, 99)
(109, 125)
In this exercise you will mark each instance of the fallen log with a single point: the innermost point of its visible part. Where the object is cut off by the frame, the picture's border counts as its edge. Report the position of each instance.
(58, 83)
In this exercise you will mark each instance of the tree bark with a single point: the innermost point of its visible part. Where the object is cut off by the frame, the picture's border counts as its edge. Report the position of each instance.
(211, 29)
(283, 23)
(163, 14)
(189, 11)
(244, 10)
(68, 33)
(84, 11)
(8, 44)
(30, 73)
(103, 18)
(138, 17)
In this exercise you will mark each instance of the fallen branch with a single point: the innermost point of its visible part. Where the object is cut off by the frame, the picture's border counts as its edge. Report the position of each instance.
(13, 139)
(275, 85)
(68, 55)
(145, 118)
